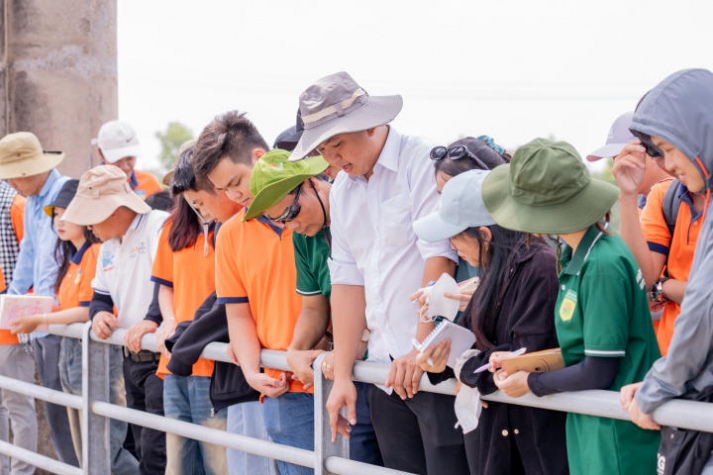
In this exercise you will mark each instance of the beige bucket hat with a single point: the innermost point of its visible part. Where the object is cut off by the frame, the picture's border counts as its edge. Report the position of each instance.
(101, 191)
(21, 155)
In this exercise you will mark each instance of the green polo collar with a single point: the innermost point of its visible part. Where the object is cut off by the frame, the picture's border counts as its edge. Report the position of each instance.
(580, 255)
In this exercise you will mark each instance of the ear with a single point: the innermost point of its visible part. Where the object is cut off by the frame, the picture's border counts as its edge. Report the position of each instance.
(486, 234)
(256, 154)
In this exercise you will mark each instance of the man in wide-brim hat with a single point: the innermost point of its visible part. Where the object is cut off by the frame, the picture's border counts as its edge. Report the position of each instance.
(377, 262)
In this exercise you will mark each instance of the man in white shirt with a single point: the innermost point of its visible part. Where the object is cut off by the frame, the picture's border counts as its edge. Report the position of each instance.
(377, 262)
(130, 232)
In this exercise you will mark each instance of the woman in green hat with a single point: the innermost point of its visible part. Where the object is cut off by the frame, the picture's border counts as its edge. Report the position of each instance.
(601, 316)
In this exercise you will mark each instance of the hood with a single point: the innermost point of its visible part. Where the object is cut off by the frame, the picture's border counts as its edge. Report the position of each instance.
(680, 110)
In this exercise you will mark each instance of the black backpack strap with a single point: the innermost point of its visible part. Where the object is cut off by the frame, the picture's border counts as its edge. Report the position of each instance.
(671, 205)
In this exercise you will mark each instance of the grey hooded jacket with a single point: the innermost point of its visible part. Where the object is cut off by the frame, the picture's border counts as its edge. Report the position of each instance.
(680, 110)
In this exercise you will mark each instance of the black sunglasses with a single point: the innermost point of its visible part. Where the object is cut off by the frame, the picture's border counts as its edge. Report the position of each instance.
(651, 150)
(292, 211)
(456, 153)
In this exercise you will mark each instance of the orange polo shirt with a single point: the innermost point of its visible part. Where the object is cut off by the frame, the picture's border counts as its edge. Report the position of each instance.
(145, 184)
(17, 217)
(679, 249)
(76, 290)
(256, 265)
(190, 272)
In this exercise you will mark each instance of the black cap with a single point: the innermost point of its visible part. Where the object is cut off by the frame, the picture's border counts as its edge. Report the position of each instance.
(288, 139)
(64, 197)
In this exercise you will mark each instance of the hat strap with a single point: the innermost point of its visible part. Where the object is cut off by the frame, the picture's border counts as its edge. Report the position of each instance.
(338, 108)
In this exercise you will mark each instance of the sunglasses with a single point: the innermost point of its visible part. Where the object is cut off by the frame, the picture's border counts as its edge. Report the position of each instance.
(292, 211)
(456, 153)
(651, 150)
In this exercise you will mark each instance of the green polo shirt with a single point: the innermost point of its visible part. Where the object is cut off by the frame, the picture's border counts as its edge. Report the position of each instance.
(311, 254)
(602, 311)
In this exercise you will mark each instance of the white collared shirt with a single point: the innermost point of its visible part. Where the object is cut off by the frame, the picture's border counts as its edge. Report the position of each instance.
(374, 245)
(124, 267)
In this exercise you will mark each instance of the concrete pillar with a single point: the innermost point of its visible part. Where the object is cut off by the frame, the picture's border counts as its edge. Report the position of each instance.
(58, 73)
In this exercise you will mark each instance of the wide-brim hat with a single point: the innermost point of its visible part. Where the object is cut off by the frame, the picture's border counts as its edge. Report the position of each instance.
(274, 177)
(101, 191)
(619, 135)
(64, 197)
(461, 207)
(21, 155)
(546, 189)
(336, 104)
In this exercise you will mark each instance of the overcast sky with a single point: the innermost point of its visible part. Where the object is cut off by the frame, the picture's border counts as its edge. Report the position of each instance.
(512, 69)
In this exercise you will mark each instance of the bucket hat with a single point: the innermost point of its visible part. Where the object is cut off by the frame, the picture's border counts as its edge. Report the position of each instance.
(619, 135)
(546, 189)
(21, 155)
(336, 104)
(461, 208)
(64, 197)
(274, 177)
(117, 140)
(101, 191)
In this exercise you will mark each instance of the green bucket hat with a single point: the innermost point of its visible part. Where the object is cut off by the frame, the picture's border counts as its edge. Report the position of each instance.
(274, 177)
(546, 189)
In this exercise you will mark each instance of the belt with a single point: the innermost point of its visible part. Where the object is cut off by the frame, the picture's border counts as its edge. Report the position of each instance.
(142, 356)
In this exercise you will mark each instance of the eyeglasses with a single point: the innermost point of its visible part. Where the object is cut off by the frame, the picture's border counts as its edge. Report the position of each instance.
(651, 150)
(290, 213)
(456, 153)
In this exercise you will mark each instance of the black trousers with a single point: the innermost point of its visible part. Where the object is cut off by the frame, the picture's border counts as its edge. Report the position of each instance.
(417, 435)
(144, 392)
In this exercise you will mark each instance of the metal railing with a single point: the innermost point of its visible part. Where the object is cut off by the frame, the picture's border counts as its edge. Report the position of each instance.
(327, 457)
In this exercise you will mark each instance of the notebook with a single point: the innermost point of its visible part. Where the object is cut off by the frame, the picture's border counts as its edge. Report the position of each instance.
(13, 307)
(535, 362)
(461, 338)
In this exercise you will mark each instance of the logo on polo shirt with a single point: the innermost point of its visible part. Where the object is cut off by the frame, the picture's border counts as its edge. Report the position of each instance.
(569, 303)
(78, 278)
(138, 250)
(107, 262)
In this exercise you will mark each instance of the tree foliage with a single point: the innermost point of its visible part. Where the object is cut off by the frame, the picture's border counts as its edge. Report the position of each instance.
(171, 139)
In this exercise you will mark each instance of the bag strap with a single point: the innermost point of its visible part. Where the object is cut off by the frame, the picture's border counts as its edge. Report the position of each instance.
(671, 205)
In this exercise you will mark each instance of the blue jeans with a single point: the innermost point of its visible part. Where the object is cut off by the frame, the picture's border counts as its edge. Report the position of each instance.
(246, 418)
(289, 420)
(70, 375)
(187, 398)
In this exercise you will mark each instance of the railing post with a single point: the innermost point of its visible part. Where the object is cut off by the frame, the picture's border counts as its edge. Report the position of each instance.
(323, 446)
(95, 387)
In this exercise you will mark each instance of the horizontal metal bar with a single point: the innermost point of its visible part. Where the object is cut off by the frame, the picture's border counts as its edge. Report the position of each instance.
(251, 445)
(344, 466)
(38, 460)
(50, 395)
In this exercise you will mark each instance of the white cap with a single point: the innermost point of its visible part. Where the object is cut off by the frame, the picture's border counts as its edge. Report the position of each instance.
(461, 208)
(619, 135)
(117, 140)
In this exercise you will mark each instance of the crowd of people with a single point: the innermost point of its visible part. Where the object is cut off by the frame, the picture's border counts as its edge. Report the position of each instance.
(321, 243)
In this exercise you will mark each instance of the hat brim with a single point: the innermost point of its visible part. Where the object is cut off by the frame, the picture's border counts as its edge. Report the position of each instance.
(433, 228)
(87, 211)
(114, 155)
(606, 151)
(30, 166)
(577, 213)
(376, 111)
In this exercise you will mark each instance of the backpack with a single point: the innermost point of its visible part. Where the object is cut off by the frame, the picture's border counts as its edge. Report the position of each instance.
(670, 206)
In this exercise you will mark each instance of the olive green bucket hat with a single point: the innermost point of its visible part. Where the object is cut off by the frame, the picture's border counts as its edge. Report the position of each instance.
(274, 177)
(546, 189)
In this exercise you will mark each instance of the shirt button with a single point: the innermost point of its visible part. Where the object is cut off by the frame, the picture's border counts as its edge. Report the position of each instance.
(505, 433)
(516, 431)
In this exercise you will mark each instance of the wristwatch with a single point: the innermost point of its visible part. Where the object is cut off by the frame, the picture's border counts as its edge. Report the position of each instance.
(656, 292)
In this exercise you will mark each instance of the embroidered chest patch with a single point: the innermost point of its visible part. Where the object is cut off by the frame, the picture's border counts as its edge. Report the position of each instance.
(569, 303)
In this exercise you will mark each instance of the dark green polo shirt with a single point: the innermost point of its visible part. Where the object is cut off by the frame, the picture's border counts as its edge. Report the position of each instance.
(602, 311)
(311, 254)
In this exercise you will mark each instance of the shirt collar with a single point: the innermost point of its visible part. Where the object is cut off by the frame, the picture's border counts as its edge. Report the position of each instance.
(278, 230)
(79, 254)
(573, 263)
(389, 156)
(133, 181)
(52, 178)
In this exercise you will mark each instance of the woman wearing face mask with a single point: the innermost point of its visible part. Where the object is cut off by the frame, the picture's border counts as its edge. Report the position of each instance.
(511, 309)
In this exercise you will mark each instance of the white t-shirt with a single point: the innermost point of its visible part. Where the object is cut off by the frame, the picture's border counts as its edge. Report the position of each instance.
(124, 267)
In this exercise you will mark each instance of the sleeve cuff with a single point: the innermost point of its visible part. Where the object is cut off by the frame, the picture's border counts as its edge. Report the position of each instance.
(437, 249)
(227, 300)
(342, 273)
(161, 281)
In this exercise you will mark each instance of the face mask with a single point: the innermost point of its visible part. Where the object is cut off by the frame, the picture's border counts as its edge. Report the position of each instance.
(467, 408)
